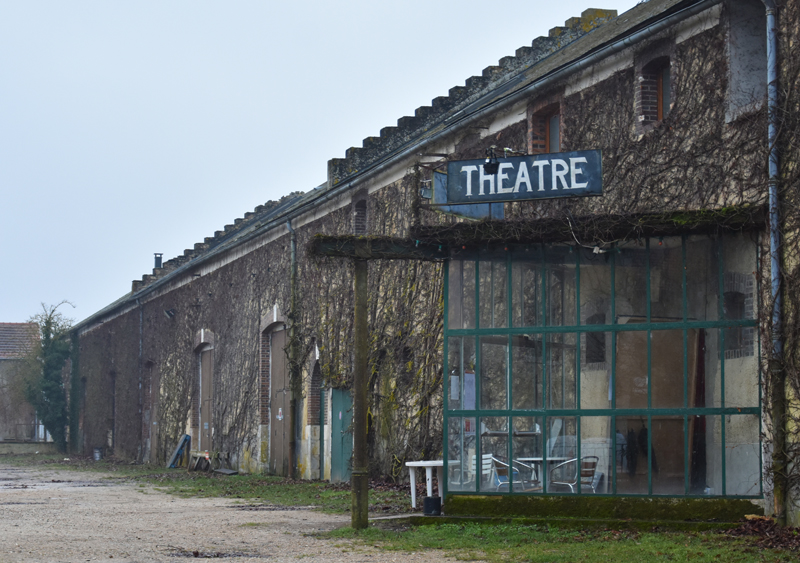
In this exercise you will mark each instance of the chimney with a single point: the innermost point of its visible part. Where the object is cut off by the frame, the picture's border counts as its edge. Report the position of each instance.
(158, 256)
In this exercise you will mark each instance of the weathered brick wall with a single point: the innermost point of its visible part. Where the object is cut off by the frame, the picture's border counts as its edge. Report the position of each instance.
(112, 348)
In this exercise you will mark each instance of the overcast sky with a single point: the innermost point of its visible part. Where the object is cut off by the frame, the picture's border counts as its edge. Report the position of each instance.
(128, 128)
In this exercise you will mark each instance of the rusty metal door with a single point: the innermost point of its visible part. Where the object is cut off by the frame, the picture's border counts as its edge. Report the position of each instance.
(206, 391)
(279, 405)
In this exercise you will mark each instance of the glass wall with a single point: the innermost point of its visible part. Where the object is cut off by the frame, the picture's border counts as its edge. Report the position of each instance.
(628, 371)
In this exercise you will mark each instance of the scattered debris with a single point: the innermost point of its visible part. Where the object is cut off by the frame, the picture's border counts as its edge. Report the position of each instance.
(184, 445)
(768, 534)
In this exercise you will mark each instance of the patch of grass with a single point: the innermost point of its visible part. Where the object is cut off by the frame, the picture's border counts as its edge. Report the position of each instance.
(509, 542)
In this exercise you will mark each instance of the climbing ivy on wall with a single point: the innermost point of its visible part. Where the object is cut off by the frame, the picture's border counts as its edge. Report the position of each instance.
(692, 160)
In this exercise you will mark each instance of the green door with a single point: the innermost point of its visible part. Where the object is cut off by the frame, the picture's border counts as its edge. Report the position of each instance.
(341, 434)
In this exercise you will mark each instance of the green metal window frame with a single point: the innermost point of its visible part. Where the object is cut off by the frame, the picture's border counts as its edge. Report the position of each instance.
(511, 253)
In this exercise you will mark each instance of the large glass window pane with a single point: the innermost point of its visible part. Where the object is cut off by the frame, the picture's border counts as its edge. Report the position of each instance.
(630, 281)
(666, 455)
(560, 304)
(493, 295)
(526, 280)
(595, 287)
(494, 372)
(454, 289)
(595, 295)
(494, 465)
(705, 455)
(596, 454)
(461, 363)
(632, 438)
(561, 451)
(561, 371)
(705, 383)
(461, 454)
(526, 376)
(739, 303)
(553, 133)
(596, 370)
(741, 380)
(461, 294)
(666, 279)
(742, 460)
(526, 451)
(702, 278)
(667, 366)
(631, 370)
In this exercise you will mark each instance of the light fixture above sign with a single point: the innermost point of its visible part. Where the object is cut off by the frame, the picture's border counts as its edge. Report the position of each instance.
(542, 176)
(491, 165)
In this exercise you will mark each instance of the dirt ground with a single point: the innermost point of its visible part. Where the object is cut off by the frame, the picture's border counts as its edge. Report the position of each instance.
(66, 516)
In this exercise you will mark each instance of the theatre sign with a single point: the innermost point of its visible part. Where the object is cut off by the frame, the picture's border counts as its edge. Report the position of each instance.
(541, 176)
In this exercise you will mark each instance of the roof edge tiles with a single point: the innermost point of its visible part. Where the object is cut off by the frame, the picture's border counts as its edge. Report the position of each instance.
(427, 117)
(17, 339)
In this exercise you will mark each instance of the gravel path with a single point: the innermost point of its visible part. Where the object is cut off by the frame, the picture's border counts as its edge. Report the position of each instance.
(66, 516)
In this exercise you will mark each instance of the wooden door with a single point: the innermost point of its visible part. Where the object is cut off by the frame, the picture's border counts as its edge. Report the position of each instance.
(155, 396)
(206, 393)
(279, 406)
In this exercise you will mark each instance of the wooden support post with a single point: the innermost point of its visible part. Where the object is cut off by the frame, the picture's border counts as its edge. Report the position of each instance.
(359, 476)
(780, 461)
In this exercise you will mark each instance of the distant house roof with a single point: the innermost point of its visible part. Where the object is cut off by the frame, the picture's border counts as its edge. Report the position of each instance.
(16, 339)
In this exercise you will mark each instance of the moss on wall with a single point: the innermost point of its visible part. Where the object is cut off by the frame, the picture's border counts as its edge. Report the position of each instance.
(598, 508)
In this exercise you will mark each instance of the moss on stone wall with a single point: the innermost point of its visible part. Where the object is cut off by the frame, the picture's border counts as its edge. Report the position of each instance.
(599, 508)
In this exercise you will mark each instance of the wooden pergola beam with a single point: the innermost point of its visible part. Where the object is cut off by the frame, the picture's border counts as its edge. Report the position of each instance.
(375, 248)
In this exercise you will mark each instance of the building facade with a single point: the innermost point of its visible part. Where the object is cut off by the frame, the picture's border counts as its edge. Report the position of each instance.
(18, 421)
(604, 345)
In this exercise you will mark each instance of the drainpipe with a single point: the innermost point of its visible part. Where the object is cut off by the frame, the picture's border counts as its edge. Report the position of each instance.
(778, 374)
(140, 449)
(295, 389)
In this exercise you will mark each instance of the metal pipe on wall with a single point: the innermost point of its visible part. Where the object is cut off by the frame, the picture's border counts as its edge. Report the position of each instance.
(777, 372)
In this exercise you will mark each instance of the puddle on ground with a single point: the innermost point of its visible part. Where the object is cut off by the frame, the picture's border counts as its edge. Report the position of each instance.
(46, 485)
(212, 554)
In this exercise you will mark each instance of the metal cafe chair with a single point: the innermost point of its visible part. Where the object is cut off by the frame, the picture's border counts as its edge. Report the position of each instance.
(566, 474)
(523, 476)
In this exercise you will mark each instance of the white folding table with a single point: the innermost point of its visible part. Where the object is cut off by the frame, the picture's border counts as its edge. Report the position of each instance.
(428, 465)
